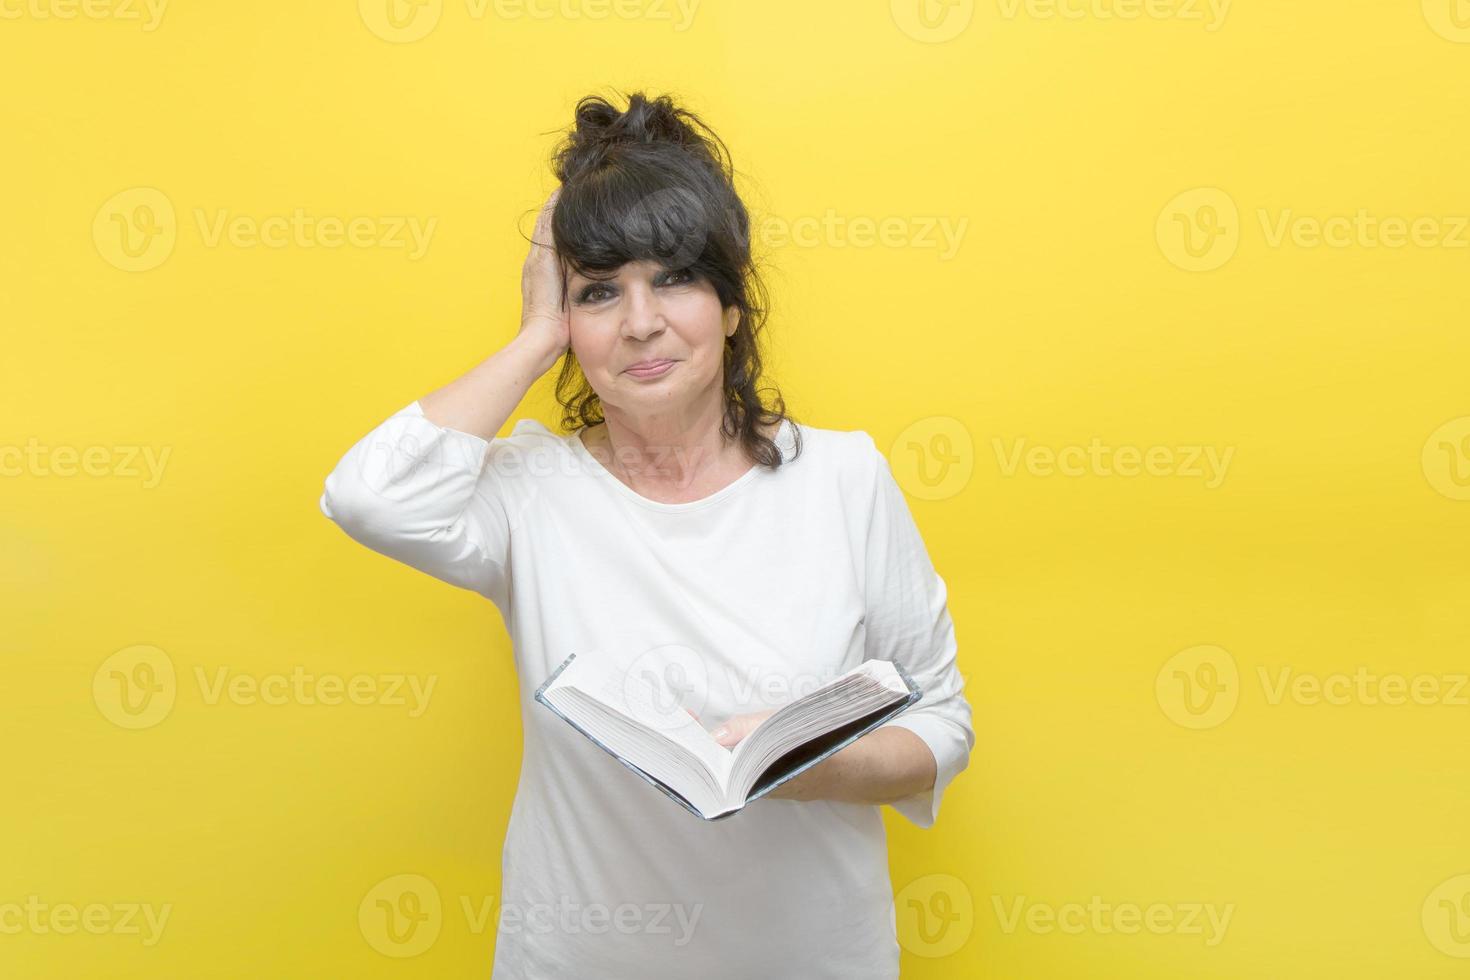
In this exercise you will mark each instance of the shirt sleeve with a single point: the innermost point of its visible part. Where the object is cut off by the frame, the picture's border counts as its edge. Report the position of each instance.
(423, 495)
(907, 620)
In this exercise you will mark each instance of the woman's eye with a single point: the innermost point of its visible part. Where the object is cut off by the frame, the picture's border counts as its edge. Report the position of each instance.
(597, 292)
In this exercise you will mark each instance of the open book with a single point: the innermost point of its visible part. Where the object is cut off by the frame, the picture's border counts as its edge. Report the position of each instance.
(646, 730)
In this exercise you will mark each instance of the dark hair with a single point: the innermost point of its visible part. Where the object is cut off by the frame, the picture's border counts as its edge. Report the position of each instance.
(654, 183)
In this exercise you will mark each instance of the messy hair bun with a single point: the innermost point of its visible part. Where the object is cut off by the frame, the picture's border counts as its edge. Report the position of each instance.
(653, 183)
(600, 127)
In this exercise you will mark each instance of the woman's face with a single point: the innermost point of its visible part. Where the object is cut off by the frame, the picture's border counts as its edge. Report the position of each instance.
(647, 313)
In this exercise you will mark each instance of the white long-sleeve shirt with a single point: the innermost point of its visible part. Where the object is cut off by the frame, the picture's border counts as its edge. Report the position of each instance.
(764, 589)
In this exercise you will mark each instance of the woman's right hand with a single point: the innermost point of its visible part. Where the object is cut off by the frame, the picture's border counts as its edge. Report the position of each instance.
(544, 317)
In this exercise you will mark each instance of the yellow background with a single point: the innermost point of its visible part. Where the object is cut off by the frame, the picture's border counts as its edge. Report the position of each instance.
(1335, 540)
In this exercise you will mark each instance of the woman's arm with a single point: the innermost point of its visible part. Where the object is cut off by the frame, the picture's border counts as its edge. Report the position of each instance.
(480, 401)
(883, 766)
(886, 765)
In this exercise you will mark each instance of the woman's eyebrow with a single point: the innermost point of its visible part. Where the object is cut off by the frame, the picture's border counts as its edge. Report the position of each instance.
(655, 274)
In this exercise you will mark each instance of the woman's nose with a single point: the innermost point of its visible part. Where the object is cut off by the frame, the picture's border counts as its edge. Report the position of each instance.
(641, 316)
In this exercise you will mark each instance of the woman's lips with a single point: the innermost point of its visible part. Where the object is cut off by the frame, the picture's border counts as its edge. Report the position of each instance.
(651, 370)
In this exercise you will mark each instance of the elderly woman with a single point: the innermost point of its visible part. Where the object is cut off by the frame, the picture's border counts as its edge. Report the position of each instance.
(679, 510)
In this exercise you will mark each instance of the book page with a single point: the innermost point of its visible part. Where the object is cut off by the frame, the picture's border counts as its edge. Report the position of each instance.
(815, 712)
(800, 728)
(649, 702)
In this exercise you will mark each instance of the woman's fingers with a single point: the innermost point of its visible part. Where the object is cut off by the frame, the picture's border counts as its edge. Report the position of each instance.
(542, 233)
(737, 727)
(542, 305)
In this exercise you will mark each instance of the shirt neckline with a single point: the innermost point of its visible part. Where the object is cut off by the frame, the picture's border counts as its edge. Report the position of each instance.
(782, 440)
